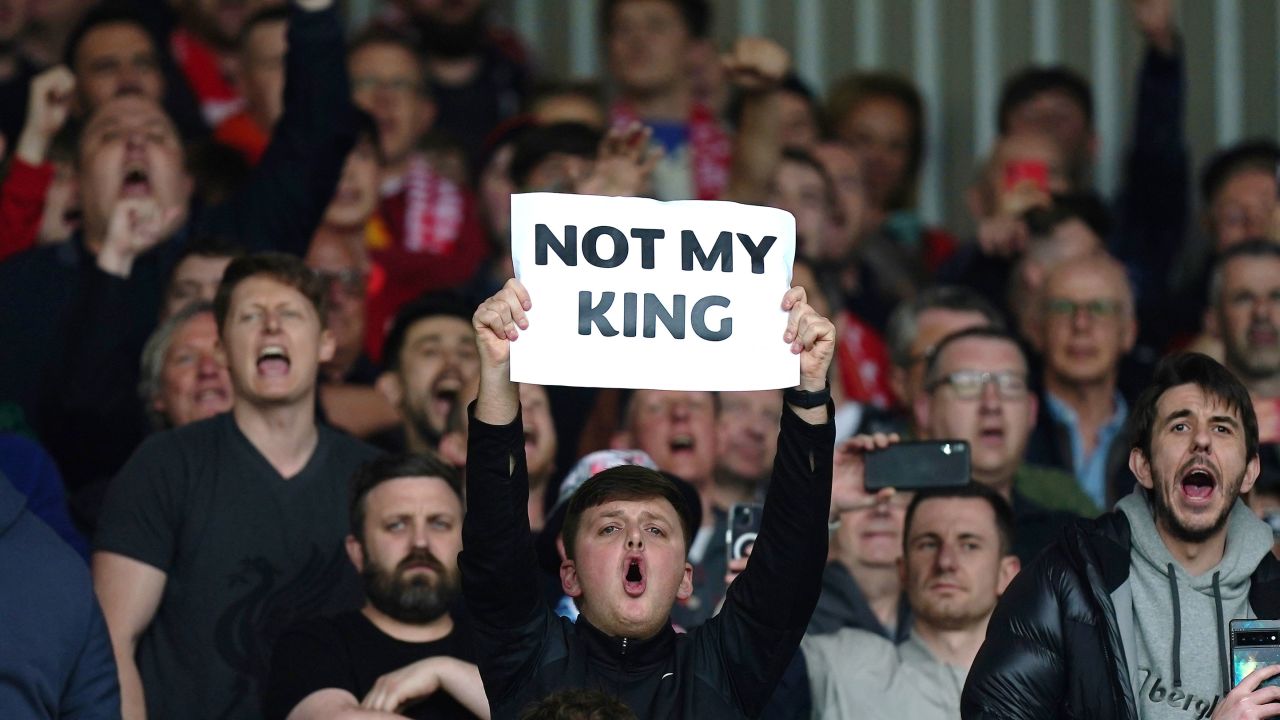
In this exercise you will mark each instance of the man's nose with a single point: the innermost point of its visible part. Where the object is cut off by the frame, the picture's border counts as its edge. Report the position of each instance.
(208, 365)
(946, 556)
(635, 538)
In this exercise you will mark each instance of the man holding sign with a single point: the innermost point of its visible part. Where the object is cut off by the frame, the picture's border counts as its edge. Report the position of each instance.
(625, 541)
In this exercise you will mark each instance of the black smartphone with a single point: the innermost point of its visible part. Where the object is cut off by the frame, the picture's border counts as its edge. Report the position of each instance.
(1254, 644)
(744, 526)
(917, 465)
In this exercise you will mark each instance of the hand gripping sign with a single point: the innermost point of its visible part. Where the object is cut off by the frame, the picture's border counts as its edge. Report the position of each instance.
(637, 293)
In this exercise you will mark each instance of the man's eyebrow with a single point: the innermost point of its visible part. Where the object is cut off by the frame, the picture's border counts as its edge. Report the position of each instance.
(1225, 419)
(1178, 414)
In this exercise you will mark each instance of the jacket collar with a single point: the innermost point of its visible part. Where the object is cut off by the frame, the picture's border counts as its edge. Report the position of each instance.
(632, 652)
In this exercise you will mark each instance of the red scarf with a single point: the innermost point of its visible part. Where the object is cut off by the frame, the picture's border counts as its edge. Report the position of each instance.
(712, 148)
(862, 359)
(433, 210)
(199, 63)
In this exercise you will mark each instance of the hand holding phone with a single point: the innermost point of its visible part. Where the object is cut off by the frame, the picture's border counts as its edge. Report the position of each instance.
(1255, 644)
(848, 487)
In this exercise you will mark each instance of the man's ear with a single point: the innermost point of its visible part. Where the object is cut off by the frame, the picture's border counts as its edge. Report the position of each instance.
(1211, 324)
(1010, 566)
(569, 579)
(389, 386)
(1141, 468)
(426, 115)
(1251, 472)
(685, 591)
(355, 552)
(1033, 410)
(622, 440)
(921, 412)
(328, 345)
(898, 381)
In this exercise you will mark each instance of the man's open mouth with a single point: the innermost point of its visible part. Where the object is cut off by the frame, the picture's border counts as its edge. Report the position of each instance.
(273, 361)
(1198, 483)
(681, 443)
(137, 183)
(633, 582)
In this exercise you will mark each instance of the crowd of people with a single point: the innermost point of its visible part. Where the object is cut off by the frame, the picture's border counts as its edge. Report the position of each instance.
(261, 455)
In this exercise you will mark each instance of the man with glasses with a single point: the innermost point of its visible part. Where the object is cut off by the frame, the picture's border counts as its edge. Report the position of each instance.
(1245, 315)
(976, 390)
(1085, 326)
(430, 236)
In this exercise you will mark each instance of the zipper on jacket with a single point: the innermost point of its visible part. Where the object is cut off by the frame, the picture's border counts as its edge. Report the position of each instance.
(624, 646)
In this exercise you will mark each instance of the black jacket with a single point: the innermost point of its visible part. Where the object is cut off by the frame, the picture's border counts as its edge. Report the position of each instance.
(1053, 646)
(725, 668)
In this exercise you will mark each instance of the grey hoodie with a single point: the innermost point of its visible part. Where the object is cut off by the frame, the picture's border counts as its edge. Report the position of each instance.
(1176, 638)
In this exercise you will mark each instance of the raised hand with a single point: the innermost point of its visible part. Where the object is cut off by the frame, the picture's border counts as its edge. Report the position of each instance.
(623, 164)
(498, 322)
(755, 64)
(811, 336)
(48, 105)
(848, 476)
(136, 226)
(1156, 23)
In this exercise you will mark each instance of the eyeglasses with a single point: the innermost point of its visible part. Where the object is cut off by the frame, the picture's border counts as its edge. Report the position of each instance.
(1098, 309)
(397, 86)
(968, 384)
(349, 281)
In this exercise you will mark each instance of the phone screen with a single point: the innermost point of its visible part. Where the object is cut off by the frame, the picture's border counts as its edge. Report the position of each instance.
(1254, 644)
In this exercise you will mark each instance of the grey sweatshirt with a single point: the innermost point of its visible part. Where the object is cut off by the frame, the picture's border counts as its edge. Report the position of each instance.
(1178, 645)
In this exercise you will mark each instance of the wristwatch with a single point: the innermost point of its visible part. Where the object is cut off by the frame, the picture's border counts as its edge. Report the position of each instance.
(808, 399)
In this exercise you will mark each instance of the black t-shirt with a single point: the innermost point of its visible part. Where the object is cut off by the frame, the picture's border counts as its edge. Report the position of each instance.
(246, 553)
(350, 653)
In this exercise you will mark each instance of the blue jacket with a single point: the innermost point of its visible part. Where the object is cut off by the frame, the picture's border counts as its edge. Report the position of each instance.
(55, 655)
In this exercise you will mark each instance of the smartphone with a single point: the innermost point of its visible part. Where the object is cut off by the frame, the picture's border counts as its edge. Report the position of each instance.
(918, 465)
(744, 526)
(1017, 172)
(1254, 644)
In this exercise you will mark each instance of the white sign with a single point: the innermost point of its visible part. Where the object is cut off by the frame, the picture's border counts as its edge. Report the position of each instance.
(637, 293)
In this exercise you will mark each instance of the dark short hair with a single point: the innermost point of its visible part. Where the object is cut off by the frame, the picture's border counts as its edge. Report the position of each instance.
(383, 35)
(985, 332)
(432, 304)
(791, 84)
(1025, 85)
(904, 323)
(695, 13)
(577, 704)
(1087, 207)
(976, 491)
(540, 142)
(624, 482)
(391, 467)
(853, 90)
(1259, 154)
(281, 267)
(112, 12)
(1211, 377)
(1255, 248)
(269, 14)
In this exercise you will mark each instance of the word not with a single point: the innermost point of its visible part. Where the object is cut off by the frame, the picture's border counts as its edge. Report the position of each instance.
(691, 251)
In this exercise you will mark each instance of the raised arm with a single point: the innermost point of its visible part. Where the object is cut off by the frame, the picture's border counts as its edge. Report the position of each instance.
(768, 607)
(284, 200)
(23, 191)
(499, 577)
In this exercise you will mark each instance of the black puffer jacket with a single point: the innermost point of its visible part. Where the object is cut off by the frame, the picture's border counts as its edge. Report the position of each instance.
(1053, 647)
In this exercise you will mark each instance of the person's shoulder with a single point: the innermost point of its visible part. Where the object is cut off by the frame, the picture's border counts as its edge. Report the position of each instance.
(849, 648)
(347, 446)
